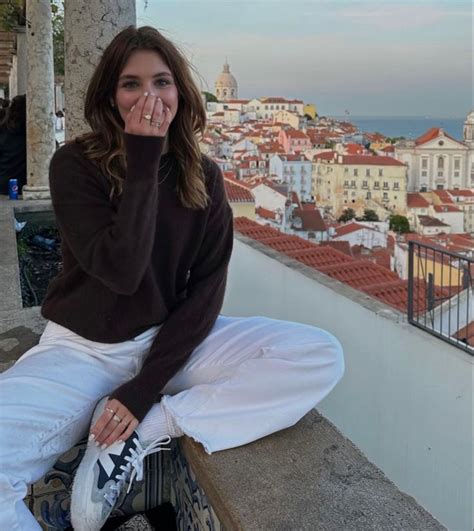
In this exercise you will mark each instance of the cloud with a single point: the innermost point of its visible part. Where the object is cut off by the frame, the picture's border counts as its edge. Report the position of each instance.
(395, 15)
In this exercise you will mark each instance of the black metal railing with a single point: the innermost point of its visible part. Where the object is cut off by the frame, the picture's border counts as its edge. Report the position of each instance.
(440, 294)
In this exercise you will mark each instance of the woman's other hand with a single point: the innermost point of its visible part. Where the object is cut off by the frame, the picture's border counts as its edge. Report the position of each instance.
(148, 117)
(116, 423)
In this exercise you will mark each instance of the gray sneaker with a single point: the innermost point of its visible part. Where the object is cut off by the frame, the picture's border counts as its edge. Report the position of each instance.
(102, 475)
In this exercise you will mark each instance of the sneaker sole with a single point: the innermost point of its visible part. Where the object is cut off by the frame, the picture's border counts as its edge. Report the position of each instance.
(84, 476)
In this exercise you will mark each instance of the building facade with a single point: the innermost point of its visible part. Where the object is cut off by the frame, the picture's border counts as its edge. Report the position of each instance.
(437, 161)
(358, 182)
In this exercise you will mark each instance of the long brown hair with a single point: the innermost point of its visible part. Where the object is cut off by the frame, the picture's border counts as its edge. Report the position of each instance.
(104, 145)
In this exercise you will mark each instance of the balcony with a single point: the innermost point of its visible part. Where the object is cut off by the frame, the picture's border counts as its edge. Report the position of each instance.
(364, 459)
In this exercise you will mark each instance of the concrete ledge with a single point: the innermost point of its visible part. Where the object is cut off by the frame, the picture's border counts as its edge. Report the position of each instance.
(308, 477)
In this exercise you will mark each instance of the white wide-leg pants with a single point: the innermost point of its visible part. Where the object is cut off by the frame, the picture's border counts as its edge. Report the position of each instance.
(250, 377)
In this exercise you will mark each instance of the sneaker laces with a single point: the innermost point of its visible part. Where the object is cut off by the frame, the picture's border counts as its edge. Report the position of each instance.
(134, 466)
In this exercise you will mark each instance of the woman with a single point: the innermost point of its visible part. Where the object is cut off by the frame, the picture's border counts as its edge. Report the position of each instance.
(13, 144)
(134, 338)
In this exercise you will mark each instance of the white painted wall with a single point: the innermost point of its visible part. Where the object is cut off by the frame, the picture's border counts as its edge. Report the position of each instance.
(406, 399)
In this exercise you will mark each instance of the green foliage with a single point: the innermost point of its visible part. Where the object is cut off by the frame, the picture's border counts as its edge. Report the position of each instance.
(347, 215)
(370, 215)
(11, 15)
(399, 224)
(210, 97)
(57, 9)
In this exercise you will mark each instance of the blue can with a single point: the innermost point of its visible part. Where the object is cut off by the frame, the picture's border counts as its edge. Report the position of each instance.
(13, 188)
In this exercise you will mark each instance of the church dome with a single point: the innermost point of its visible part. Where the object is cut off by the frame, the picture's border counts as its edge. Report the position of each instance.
(226, 84)
(470, 118)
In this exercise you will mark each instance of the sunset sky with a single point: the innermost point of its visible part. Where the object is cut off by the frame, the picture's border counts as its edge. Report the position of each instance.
(383, 58)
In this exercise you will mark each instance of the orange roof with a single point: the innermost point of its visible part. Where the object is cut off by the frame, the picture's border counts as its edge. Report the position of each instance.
(286, 243)
(342, 246)
(395, 294)
(237, 193)
(354, 160)
(265, 213)
(431, 134)
(446, 208)
(415, 200)
(319, 257)
(348, 228)
(359, 273)
(294, 133)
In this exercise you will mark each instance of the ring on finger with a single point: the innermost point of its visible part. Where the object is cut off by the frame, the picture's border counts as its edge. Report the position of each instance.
(147, 116)
(116, 418)
(110, 410)
(155, 123)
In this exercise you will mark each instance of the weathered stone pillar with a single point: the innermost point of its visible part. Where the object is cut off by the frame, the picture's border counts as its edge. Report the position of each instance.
(89, 26)
(39, 99)
(22, 59)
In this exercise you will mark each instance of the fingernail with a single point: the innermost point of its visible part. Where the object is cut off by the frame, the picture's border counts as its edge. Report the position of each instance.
(145, 93)
(91, 437)
(120, 441)
(103, 447)
(97, 443)
(133, 107)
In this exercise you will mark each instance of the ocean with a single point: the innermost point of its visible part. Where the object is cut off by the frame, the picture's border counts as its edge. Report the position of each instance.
(410, 127)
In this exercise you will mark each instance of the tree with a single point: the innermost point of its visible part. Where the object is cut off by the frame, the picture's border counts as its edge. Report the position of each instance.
(210, 97)
(370, 215)
(13, 14)
(347, 215)
(399, 224)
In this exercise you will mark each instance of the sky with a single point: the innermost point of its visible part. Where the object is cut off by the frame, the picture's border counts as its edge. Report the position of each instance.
(370, 58)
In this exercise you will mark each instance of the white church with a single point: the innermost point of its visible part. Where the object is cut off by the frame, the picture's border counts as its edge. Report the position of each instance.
(437, 161)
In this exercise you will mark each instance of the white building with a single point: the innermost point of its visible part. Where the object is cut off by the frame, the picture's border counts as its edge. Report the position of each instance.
(226, 85)
(357, 234)
(267, 108)
(295, 170)
(437, 161)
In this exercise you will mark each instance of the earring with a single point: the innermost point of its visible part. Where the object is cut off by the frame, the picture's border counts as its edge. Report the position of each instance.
(112, 104)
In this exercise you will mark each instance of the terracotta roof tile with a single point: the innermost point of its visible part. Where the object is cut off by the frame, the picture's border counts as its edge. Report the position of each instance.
(319, 257)
(286, 243)
(237, 193)
(342, 246)
(416, 200)
(359, 273)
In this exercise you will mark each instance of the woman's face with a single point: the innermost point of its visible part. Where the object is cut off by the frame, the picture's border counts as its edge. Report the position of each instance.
(145, 71)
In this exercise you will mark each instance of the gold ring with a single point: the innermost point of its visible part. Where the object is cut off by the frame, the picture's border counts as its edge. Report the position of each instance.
(147, 116)
(116, 418)
(155, 124)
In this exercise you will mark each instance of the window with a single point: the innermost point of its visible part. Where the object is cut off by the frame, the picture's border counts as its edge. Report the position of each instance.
(367, 173)
(424, 163)
(424, 173)
(440, 174)
(457, 164)
(439, 187)
(440, 163)
(395, 186)
(353, 184)
(356, 172)
(346, 170)
(353, 194)
(456, 174)
(380, 173)
(385, 196)
(385, 185)
(364, 184)
(376, 185)
(346, 184)
(369, 196)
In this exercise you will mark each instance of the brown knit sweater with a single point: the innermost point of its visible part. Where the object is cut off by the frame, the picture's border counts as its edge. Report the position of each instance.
(141, 260)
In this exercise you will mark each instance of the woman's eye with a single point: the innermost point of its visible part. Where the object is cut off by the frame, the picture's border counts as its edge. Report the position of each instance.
(129, 84)
(162, 82)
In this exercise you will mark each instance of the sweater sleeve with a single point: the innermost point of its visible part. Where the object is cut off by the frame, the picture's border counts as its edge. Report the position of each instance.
(188, 324)
(112, 246)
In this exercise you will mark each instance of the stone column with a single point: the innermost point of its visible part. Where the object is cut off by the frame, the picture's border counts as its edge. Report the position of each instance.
(89, 26)
(22, 59)
(39, 99)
